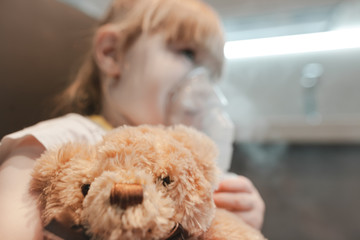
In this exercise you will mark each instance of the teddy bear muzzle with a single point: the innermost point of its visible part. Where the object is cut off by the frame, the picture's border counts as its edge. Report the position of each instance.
(126, 195)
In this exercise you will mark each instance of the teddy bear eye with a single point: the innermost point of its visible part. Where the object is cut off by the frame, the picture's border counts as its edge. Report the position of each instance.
(166, 181)
(84, 189)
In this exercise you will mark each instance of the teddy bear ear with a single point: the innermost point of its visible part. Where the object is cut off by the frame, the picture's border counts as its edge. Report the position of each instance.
(48, 165)
(202, 148)
(54, 160)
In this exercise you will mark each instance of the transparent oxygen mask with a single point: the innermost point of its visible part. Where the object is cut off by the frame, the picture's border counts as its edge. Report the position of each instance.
(198, 102)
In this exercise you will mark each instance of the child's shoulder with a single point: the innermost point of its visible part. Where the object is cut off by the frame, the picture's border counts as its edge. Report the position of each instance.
(54, 132)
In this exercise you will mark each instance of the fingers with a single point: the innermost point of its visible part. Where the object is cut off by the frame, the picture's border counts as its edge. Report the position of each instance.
(234, 201)
(240, 196)
(249, 207)
(235, 185)
(252, 218)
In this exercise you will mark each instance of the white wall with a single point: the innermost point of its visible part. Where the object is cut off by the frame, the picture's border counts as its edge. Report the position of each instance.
(267, 100)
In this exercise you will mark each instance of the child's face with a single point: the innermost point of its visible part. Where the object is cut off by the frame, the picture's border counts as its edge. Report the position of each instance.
(149, 71)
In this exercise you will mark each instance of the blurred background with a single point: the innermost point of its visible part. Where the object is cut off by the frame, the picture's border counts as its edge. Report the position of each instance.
(293, 94)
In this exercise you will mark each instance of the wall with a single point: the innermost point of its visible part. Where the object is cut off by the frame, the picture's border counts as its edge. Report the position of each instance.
(41, 43)
(267, 100)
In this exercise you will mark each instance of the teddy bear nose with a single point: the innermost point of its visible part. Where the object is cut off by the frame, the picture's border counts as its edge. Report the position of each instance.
(126, 195)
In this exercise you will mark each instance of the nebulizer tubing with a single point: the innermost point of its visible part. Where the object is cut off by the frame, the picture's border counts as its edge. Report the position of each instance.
(197, 101)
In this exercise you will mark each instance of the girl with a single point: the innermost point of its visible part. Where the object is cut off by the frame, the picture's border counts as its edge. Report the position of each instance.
(141, 51)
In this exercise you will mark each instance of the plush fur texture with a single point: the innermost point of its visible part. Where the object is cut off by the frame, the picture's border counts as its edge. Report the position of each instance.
(138, 183)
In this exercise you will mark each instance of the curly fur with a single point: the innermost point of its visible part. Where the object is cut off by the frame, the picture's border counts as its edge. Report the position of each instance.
(144, 155)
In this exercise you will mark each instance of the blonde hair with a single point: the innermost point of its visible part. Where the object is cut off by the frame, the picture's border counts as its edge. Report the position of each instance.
(181, 21)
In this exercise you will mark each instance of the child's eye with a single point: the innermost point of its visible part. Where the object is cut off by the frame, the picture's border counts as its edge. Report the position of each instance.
(188, 53)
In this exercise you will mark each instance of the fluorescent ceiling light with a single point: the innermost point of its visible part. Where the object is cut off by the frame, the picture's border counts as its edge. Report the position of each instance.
(303, 43)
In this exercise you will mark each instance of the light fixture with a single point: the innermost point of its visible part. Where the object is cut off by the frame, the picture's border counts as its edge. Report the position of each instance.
(302, 43)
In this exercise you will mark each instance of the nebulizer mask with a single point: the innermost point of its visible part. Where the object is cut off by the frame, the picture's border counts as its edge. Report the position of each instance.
(197, 101)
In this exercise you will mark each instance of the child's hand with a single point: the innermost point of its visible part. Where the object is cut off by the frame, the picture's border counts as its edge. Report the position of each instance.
(241, 197)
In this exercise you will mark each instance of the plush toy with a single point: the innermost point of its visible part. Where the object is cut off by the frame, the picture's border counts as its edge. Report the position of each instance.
(141, 182)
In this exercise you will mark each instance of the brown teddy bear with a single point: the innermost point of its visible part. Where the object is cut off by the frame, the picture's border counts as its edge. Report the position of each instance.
(141, 182)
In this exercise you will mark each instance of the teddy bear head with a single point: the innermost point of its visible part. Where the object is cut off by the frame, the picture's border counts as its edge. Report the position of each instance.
(146, 182)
